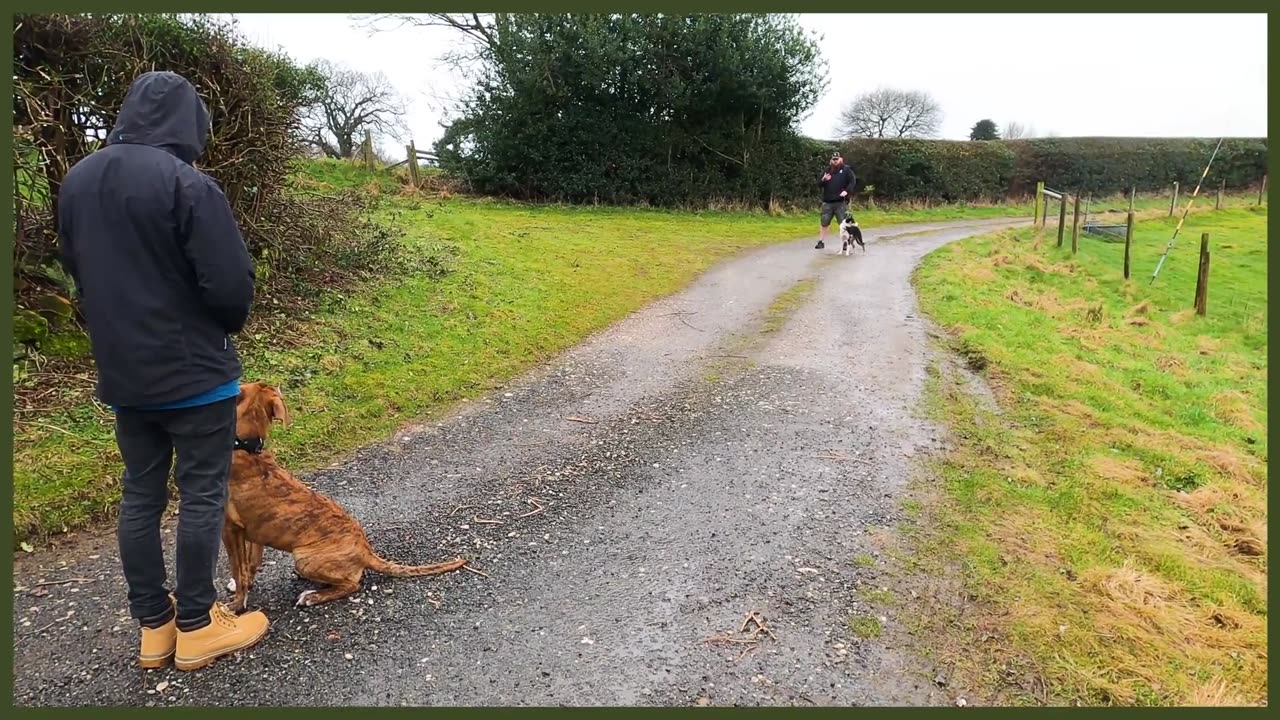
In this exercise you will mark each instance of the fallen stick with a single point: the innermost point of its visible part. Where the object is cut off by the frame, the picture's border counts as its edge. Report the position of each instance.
(481, 573)
(538, 508)
(55, 622)
(841, 457)
(585, 421)
(486, 521)
(461, 507)
(63, 582)
(727, 639)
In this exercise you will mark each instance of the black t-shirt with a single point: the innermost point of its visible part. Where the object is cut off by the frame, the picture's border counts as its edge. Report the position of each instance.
(842, 179)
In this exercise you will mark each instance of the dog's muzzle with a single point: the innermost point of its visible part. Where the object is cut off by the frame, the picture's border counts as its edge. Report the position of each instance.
(253, 446)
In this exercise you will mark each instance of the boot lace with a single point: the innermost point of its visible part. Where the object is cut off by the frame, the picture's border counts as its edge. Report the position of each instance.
(224, 617)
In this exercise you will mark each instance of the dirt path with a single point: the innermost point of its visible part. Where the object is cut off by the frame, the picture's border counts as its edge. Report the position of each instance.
(699, 492)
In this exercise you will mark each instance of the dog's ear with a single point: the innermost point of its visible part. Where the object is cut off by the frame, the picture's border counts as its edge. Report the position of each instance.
(279, 413)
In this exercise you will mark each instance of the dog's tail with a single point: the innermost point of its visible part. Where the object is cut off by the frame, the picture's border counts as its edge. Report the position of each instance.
(386, 567)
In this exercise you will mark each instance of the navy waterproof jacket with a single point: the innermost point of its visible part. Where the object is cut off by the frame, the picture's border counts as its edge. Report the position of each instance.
(163, 274)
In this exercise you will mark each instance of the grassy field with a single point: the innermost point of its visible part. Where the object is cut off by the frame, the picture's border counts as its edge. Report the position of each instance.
(499, 287)
(1109, 511)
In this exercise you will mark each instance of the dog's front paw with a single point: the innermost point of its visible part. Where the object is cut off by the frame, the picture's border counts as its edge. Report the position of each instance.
(302, 599)
(231, 585)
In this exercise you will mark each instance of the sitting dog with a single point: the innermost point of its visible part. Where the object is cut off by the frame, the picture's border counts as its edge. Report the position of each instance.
(268, 506)
(850, 233)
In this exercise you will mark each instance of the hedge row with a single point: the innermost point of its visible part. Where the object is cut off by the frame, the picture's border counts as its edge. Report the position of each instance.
(964, 170)
(784, 171)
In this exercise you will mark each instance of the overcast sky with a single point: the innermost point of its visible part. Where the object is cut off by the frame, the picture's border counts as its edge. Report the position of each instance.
(1146, 75)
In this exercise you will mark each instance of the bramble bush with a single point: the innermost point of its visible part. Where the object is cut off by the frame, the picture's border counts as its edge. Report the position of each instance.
(71, 73)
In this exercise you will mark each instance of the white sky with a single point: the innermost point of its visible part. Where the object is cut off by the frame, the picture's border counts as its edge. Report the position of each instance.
(1137, 75)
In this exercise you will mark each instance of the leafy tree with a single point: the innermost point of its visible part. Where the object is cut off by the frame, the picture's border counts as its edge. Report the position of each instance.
(984, 130)
(630, 107)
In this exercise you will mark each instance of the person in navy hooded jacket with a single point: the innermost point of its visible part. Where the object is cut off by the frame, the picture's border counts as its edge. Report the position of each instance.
(164, 280)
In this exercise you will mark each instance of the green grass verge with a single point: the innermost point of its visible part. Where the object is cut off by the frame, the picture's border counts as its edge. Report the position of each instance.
(502, 286)
(1111, 519)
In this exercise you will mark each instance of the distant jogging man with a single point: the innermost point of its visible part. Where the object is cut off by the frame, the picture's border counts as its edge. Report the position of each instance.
(837, 184)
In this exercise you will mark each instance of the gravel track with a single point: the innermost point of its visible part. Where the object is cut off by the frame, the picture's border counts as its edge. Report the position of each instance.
(730, 465)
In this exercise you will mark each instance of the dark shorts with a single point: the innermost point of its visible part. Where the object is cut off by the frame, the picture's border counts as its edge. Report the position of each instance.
(833, 209)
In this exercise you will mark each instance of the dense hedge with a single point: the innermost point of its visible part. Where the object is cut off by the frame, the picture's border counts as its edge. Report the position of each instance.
(898, 170)
(956, 171)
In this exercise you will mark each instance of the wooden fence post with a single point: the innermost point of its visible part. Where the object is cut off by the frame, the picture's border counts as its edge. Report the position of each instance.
(1062, 218)
(1222, 188)
(1075, 227)
(1133, 195)
(1173, 199)
(1128, 241)
(1035, 213)
(1262, 191)
(1202, 278)
(413, 164)
(368, 151)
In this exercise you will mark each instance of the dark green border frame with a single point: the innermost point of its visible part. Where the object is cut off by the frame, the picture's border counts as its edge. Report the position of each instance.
(1184, 47)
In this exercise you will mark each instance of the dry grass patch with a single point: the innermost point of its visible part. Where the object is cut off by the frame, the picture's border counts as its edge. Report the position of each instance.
(1233, 408)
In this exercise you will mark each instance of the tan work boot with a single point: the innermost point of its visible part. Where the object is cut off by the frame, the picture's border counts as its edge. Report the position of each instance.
(226, 633)
(158, 644)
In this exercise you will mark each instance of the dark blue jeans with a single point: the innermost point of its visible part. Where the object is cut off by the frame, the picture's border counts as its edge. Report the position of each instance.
(202, 439)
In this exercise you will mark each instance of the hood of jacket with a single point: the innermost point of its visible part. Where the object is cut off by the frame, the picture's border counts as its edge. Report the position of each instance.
(163, 110)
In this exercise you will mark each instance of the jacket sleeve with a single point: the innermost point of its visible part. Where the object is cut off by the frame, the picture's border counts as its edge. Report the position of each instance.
(65, 256)
(217, 252)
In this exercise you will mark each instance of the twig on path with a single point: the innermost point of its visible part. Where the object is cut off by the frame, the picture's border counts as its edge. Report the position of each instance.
(739, 357)
(538, 507)
(751, 640)
(727, 638)
(686, 322)
(55, 622)
(680, 312)
(585, 421)
(841, 457)
(486, 521)
(481, 573)
(754, 616)
(462, 507)
(68, 581)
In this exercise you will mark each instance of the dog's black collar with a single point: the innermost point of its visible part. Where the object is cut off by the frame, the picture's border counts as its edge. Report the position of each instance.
(253, 446)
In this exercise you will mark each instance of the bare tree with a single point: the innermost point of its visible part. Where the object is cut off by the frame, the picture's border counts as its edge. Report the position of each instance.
(482, 30)
(351, 103)
(1016, 131)
(891, 113)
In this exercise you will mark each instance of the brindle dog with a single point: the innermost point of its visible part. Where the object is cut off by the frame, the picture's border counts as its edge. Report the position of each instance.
(268, 506)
